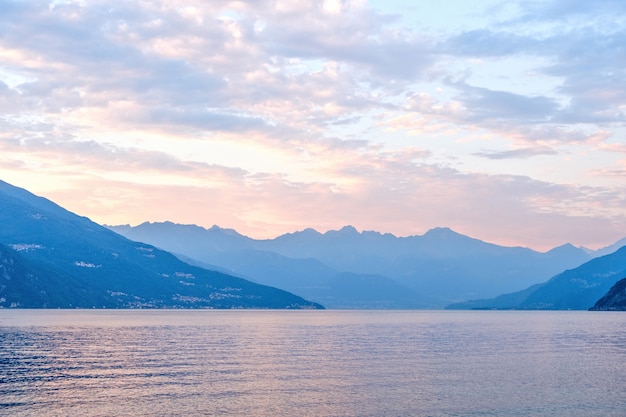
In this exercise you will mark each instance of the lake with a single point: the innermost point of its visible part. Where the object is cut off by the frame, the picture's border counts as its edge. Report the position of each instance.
(312, 363)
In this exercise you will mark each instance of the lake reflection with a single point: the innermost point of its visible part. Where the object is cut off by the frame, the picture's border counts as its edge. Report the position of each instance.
(312, 363)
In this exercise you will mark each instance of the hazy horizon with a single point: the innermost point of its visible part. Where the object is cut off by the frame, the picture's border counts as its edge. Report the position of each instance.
(360, 231)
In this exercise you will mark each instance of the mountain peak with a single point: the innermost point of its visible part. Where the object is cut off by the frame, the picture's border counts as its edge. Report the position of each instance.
(348, 230)
(225, 231)
(441, 232)
(310, 232)
(567, 248)
(345, 231)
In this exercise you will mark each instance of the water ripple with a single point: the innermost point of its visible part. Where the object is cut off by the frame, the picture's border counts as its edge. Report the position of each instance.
(323, 363)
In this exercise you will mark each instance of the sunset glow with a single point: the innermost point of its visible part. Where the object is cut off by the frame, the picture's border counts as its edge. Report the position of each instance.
(505, 121)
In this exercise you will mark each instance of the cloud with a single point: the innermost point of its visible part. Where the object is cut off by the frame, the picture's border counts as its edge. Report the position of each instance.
(358, 36)
(324, 112)
(483, 104)
(521, 153)
(94, 56)
(596, 88)
(494, 208)
(101, 159)
(588, 58)
(490, 43)
(558, 10)
(207, 119)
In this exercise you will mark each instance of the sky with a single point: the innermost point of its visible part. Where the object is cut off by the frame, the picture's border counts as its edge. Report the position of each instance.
(503, 120)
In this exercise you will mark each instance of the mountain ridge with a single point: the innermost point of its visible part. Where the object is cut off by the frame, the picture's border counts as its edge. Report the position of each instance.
(439, 267)
(55, 258)
(578, 288)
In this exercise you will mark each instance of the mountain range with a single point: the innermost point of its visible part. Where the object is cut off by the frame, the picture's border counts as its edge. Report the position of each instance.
(350, 269)
(50, 257)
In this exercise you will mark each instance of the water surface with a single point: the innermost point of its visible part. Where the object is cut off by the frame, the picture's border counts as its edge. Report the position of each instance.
(311, 363)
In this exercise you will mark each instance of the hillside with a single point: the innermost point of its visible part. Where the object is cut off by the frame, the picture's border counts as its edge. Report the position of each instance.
(614, 300)
(54, 258)
(574, 289)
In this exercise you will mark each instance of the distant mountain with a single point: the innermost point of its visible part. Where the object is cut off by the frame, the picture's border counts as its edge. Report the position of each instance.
(574, 289)
(610, 249)
(441, 263)
(614, 300)
(228, 251)
(364, 291)
(432, 270)
(50, 257)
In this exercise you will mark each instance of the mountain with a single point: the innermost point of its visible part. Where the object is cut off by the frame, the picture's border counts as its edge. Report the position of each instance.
(367, 291)
(21, 286)
(611, 248)
(228, 251)
(614, 300)
(442, 264)
(574, 289)
(432, 270)
(50, 257)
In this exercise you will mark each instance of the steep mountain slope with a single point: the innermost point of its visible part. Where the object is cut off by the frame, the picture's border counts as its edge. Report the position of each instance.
(28, 285)
(57, 259)
(437, 268)
(614, 300)
(575, 289)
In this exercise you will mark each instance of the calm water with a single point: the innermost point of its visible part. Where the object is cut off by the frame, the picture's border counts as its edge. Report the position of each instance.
(312, 363)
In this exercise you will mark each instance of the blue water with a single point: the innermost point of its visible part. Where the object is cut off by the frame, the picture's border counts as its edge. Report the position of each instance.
(312, 363)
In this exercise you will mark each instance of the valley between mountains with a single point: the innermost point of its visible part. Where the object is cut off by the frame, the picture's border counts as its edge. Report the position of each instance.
(350, 269)
(52, 258)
